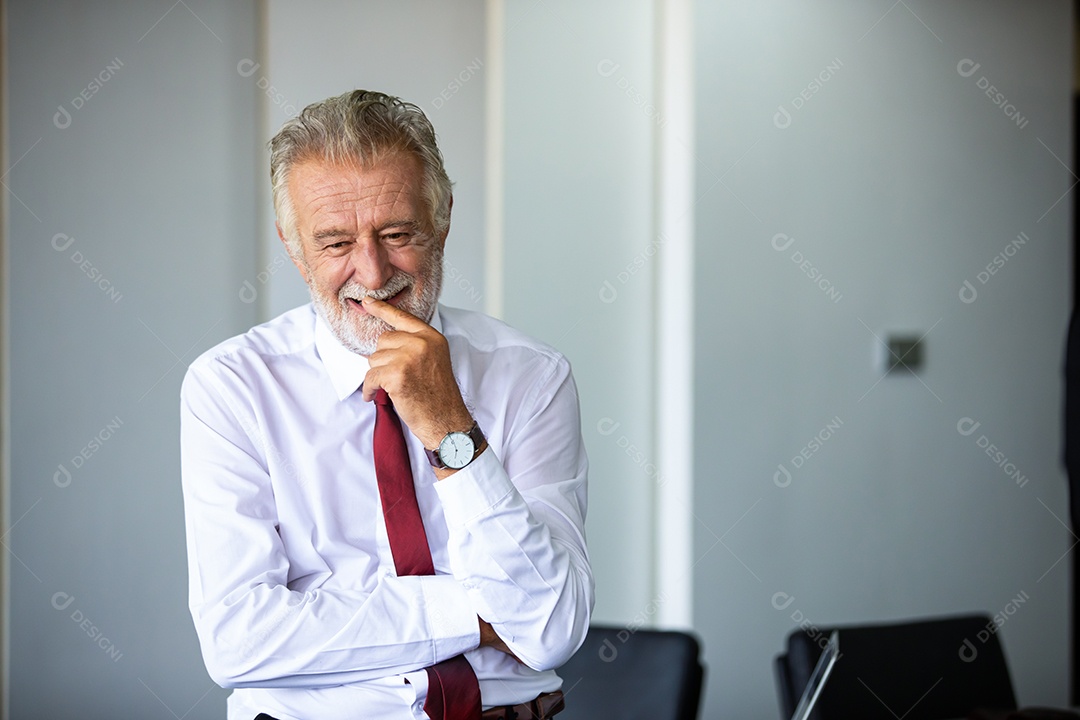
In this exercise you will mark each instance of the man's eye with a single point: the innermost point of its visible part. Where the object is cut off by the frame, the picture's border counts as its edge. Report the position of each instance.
(397, 238)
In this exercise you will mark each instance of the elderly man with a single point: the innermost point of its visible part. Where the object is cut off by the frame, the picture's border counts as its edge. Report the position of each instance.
(385, 497)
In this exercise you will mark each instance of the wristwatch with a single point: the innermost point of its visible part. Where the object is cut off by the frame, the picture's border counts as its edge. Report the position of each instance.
(457, 449)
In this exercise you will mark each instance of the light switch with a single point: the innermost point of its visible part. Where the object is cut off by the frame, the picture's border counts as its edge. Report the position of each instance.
(904, 354)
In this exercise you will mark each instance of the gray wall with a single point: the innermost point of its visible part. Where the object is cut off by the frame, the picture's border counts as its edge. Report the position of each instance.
(131, 228)
(897, 179)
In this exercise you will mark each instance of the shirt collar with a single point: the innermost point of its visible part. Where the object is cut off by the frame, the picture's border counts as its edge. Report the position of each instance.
(346, 368)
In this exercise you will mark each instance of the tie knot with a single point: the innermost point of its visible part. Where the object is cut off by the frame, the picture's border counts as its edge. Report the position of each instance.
(382, 398)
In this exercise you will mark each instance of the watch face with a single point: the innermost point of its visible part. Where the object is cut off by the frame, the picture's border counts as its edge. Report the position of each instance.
(456, 450)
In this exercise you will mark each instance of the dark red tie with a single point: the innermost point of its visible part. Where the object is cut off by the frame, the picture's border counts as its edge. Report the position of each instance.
(453, 691)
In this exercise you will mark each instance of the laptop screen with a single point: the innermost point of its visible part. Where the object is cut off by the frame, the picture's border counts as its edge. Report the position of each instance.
(817, 678)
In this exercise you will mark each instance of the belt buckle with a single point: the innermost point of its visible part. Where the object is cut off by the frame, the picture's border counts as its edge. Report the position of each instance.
(547, 705)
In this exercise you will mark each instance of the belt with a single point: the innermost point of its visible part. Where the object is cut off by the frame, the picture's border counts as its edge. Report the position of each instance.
(545, 706)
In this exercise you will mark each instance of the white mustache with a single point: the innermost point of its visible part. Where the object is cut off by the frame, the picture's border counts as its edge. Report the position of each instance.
(355, 291)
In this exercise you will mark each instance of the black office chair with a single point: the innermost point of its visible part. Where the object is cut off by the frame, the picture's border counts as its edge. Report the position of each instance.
(917, 670)
(632, 674)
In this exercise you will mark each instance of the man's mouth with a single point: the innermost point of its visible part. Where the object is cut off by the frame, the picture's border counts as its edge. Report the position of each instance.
(357, 305)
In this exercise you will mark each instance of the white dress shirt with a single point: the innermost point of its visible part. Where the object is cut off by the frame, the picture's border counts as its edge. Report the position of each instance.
(292, 584)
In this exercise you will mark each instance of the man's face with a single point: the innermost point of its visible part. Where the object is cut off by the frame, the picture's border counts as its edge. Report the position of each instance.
(365, 231)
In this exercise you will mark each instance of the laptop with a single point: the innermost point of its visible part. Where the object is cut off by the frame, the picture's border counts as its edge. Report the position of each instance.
(816, 684)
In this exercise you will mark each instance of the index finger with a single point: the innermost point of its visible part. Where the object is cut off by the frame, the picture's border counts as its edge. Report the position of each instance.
(394, 316)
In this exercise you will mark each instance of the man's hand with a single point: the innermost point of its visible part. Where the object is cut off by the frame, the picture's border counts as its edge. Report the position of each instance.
(489, 638)
(412, 364)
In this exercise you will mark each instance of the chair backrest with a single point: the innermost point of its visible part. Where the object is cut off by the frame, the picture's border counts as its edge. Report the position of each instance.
(631, 674)
(917, 670)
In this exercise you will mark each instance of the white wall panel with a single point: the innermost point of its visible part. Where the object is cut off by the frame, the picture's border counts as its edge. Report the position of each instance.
(579, 251)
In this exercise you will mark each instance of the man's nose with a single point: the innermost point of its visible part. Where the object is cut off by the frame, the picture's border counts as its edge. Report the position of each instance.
(371, 264)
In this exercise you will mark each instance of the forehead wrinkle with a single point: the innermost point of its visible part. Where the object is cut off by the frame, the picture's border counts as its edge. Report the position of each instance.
(394, 193)
(344, 200)
(339, 194)
(323, 193)
(328, 203)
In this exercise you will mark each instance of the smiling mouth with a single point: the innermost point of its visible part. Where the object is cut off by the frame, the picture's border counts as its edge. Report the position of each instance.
(357, 305)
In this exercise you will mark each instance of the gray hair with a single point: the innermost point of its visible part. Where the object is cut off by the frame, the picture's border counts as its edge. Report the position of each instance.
(359, 126)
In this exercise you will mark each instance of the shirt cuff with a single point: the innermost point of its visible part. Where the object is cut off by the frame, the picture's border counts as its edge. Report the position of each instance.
(454, 625)
(473, 490)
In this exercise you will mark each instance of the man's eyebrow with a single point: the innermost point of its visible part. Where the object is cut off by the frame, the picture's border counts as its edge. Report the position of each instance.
(330, 233)
(411, 224)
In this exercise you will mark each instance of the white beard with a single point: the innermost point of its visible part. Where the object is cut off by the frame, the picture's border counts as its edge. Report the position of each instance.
(361, 333)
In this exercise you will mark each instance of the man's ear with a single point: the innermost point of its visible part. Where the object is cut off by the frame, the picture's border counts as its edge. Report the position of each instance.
(450, 213)
(297, 260)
